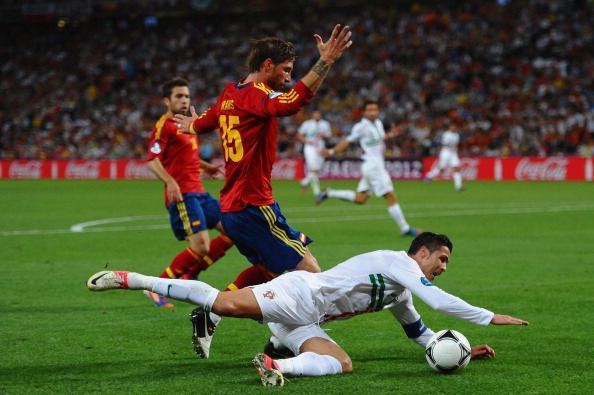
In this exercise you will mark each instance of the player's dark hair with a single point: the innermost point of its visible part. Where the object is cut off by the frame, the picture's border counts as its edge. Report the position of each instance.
(277, 50)
(168, 86)
(432, 241)
(369, 102)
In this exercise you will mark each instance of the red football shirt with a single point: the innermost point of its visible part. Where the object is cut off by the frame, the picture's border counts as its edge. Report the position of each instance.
(178, 152)
(246, 117)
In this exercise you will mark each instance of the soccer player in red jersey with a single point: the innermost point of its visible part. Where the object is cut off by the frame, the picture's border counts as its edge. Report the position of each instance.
(173, 158)
(246, 114)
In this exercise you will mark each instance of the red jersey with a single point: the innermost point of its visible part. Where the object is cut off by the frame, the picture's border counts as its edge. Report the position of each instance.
(246, 116)
(178, 152)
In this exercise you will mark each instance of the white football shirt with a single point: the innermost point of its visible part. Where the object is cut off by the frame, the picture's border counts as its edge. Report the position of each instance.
(449, 141)
(370, 135)
(315, 132)
(371, 281)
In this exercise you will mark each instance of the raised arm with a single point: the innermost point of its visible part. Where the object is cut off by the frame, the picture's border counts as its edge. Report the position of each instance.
(330, 51)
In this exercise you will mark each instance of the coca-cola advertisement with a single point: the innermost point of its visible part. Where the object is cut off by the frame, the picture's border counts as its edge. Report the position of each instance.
(287, 169)
(79, 169)
(545, 169)
(26, 169)
(134, 170)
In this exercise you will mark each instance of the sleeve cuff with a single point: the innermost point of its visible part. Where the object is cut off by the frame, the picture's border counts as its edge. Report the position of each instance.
(303, 91)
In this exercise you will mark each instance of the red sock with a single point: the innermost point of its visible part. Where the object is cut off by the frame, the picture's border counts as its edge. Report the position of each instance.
(253, 275)
(180, 264)
(218, 248)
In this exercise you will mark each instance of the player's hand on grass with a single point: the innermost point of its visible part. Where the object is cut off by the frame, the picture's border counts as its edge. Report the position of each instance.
(502, 319)
(482, 351)
(337, 44)
(173, 192)
(184, 122)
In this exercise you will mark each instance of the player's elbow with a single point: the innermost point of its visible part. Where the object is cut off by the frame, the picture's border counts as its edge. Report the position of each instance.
(437, 305)
(228, 308)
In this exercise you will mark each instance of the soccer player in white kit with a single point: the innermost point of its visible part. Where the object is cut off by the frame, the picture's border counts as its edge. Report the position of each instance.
(295, 304)
(370, 134)
(448, 158)
(312, 134)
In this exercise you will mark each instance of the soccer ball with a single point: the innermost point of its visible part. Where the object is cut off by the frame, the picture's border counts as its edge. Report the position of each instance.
(448, 351)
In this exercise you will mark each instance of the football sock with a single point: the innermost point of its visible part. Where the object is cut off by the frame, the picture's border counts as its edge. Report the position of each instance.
(305, 181)
(457, 180)
(396, 213)
(217, 250)
(343, 194)
(433, 173)
(180, 264)
(140, 281)
(196, 292)
(315, 182)
(309, 364)
(253, 275)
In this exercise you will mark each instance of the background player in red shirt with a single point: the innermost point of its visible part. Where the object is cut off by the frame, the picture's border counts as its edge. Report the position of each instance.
(173, 157)
(246, 114)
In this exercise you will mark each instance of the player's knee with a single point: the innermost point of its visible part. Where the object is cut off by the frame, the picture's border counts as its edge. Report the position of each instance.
(309, 263)
(200, 247)
(346, 364)
(361, 198)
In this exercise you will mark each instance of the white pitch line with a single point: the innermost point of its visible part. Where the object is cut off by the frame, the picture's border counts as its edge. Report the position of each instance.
(81, 227)
(87, 227)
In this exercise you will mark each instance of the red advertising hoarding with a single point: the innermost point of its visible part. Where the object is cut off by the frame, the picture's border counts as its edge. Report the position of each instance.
(480, 169)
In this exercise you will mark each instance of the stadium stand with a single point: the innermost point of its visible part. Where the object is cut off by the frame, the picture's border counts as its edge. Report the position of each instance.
(516, 77)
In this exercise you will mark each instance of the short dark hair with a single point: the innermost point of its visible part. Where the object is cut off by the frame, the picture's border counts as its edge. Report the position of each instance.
(168, 86)
(277, 50)
(432, 241)
(369, 102)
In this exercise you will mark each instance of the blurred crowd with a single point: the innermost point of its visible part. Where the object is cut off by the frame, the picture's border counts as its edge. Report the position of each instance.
(517, 78)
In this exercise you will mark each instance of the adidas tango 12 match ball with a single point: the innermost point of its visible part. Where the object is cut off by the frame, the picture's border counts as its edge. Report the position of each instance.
(448, 351)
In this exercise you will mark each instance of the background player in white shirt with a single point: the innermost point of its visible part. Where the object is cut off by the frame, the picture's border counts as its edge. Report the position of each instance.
(296, 303)
(448, 157)
(312, 134)
(370, 134)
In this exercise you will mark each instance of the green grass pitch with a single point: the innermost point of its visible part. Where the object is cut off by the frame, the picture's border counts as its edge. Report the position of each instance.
(526, 249)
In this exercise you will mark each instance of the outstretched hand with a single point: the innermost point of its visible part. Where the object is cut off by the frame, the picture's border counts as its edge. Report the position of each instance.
(337, 44)
(502, 319)
(213, 170)
(184, 122)
(482, 351)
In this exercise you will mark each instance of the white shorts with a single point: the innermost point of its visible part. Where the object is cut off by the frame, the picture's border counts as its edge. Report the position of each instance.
(293, 337)
(313, 159)
(375, 177)
(287, 300)
(448, 159)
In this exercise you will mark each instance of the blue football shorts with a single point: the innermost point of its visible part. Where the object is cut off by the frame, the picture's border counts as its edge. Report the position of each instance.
(197, 212)
(263, 236)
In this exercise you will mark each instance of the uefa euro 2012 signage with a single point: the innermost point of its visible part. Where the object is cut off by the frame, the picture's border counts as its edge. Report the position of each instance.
(398, 168)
